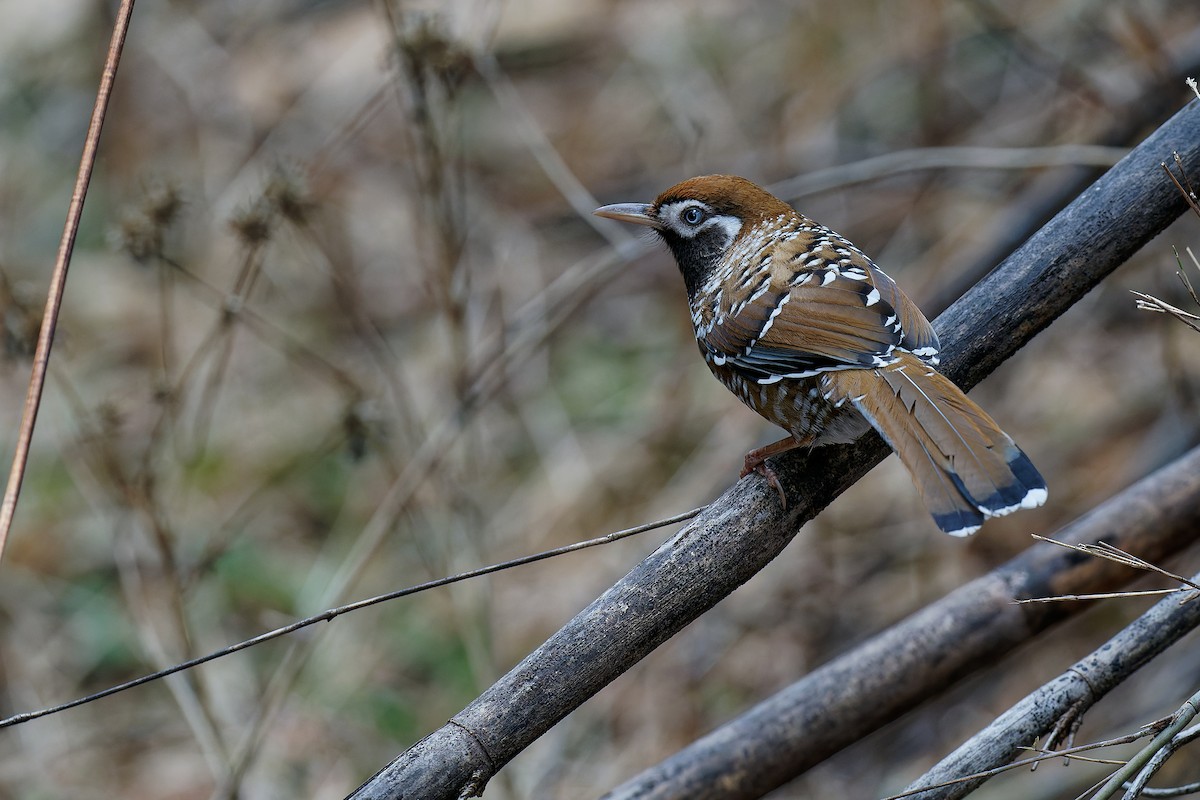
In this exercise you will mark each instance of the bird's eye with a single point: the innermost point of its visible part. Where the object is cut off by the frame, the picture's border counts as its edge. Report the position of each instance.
(693, 216)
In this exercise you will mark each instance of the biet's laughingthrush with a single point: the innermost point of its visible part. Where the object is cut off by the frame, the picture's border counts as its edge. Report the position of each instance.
(806, 330)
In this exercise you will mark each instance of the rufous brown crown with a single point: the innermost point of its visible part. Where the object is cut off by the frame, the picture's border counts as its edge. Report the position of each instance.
(727, 194)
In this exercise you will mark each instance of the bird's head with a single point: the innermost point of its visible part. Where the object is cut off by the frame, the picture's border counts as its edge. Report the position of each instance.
(701, 218)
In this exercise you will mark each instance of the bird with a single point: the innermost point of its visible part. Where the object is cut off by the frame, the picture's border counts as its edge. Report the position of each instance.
(807, 331)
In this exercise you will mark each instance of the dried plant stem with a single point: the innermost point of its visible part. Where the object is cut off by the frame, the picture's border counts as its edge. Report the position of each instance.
(58, 278)
(1119, 556)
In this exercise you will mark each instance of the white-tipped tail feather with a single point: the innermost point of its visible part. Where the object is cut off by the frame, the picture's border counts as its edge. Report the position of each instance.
(965, 468)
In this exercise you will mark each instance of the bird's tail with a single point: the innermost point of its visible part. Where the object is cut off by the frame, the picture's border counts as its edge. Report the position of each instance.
(965, 468)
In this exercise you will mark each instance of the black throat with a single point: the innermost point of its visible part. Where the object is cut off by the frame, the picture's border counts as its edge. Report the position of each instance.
(696, 256)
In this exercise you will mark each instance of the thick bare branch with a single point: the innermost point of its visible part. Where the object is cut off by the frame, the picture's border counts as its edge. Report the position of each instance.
(745, 528)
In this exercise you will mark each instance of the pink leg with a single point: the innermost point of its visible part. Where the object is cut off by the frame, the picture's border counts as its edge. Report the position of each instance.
(756, 461)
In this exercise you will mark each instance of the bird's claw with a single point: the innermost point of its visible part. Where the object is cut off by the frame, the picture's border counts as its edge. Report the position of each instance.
(760, 465)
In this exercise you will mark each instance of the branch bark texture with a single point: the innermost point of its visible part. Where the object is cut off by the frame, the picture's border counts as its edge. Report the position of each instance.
(740, 532)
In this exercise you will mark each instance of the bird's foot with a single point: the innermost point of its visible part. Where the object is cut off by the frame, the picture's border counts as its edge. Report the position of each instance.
(757, 462)
(754, 462)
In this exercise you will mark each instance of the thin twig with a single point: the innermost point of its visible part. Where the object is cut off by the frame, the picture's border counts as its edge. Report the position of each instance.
(58, 279)
(1137, 787)
(1099, 596)
(1105, 550)
(1182, 183)
(1182, 273)
(1025, 762)
(1068, 753)
(1172, 791)
(331, 613)
(1147, 302)
(1179, 721)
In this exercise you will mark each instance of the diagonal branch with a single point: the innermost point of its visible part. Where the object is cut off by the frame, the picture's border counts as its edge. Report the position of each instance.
(740, 532)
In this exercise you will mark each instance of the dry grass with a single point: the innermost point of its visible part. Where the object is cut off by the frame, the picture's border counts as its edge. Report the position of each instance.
(339, 321)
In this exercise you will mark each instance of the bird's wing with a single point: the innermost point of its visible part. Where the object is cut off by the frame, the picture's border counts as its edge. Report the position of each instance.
(819, 314)
(919, 336)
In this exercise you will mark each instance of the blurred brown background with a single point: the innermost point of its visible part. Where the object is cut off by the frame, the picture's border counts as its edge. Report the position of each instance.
(339, 321)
